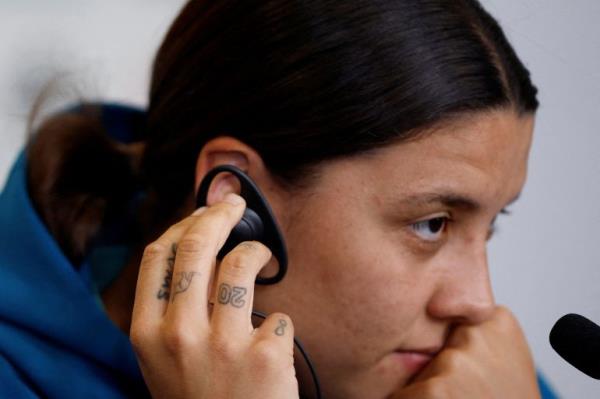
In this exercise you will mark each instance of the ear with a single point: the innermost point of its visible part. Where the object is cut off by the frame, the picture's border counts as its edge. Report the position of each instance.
(225, 150)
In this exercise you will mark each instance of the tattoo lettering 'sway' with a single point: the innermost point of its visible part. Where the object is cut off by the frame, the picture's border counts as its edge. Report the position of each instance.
(165, 288)
(184, 282)
(232, 295)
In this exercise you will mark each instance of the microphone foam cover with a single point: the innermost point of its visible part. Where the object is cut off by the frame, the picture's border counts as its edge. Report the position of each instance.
(577, 340)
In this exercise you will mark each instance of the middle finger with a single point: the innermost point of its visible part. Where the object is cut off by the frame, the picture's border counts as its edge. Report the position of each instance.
(195, 261)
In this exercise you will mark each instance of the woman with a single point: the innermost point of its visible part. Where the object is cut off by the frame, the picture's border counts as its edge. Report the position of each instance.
(386, 135)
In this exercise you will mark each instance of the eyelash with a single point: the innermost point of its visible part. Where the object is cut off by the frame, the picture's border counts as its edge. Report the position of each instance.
(447, 219)
(493, 228)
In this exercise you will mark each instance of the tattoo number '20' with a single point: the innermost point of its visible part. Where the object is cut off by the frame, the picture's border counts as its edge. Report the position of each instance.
(233, 295)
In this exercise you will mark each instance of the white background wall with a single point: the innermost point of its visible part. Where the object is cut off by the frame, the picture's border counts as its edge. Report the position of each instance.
(544, 260)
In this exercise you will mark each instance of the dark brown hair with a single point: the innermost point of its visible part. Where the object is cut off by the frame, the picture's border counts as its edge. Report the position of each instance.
(299, 81)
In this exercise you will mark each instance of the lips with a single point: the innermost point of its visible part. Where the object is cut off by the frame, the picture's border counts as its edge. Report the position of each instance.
(414, 360)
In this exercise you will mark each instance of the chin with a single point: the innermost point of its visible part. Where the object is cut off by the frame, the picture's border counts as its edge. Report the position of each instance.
(379, 382)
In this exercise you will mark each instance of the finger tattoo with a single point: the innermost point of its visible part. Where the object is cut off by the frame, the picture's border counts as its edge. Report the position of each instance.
(232, 295)
(165, 289)
(280, 330)
(184, 282)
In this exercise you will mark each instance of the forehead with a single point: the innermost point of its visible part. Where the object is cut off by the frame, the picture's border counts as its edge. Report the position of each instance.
(482, 155)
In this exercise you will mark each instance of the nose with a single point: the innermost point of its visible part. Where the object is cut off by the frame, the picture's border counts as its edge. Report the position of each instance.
(464, 293)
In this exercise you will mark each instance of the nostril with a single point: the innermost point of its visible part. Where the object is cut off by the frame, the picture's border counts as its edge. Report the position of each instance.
(459, 300)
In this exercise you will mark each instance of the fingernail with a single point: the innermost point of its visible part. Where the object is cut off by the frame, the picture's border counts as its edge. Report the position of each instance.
(233, 199)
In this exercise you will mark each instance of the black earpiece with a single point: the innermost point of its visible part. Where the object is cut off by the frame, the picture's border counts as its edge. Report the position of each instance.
(257, 224)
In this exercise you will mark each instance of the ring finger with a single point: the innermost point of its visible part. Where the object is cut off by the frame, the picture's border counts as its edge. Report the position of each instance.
(235, 288)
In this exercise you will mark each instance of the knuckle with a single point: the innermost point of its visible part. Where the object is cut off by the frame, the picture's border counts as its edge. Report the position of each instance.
(223, 349)
(176, 227)
(177, 339)
(235, 264)
(153, 250)
(504, 314)
(248, 255)
(193, 244)
(139, 336)
(266, 355)
(506, 320)
(254, 248)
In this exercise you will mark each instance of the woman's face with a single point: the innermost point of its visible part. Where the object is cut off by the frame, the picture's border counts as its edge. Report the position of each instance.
(387, 251)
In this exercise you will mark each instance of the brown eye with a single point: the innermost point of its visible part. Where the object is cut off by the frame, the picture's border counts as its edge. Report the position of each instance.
(430, 229)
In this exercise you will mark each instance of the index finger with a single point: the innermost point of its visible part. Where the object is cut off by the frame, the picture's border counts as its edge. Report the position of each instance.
(195, 260)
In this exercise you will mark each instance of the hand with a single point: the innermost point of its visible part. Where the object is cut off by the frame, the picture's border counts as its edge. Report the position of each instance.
(486, 361)
(188, 350)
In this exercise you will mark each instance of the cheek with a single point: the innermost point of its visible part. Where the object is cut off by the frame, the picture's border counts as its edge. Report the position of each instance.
(370, 289)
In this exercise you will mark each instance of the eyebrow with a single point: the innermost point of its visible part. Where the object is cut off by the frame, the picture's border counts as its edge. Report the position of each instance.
(449, 199)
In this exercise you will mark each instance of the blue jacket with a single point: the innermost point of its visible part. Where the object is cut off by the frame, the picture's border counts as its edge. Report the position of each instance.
(55, 338)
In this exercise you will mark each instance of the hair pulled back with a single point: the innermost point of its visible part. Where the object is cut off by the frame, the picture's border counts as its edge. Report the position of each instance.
(301, 82)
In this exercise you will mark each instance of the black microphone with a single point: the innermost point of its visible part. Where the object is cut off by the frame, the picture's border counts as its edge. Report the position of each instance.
(577, 340)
